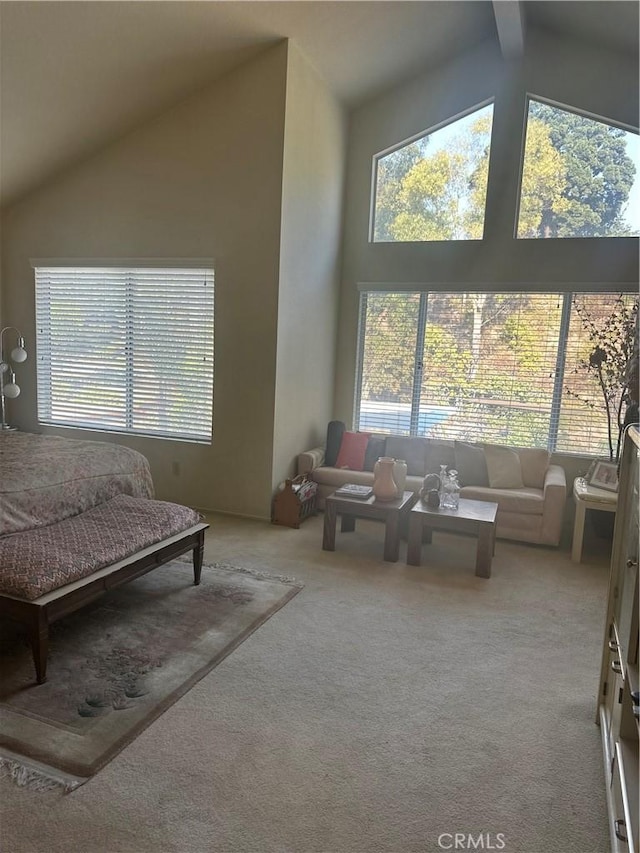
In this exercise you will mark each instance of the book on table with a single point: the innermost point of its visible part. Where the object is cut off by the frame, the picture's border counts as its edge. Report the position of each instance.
(353, 490)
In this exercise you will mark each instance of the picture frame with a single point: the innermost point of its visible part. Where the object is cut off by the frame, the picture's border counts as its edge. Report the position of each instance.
(603, 474)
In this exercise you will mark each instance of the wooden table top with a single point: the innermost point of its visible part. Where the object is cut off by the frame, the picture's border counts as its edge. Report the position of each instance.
(468, 509)
(370, 505)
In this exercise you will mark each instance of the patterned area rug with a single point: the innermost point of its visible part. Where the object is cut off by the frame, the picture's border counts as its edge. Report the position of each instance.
(115, 666)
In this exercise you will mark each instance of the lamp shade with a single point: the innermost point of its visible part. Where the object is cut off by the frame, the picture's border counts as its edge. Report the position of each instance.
(11, 390)
(18, 354)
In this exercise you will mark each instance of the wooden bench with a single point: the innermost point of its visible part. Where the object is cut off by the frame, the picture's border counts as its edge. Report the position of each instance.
(99, 574)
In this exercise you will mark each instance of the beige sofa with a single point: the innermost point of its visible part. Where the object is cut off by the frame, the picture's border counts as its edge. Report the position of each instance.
(530, 509)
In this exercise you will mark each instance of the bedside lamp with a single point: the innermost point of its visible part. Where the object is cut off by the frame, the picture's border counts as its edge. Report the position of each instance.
(10, 389)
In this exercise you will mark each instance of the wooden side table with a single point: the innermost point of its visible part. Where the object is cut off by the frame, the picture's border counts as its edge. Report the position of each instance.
(476, 517)
(588, 497)
(391, 512)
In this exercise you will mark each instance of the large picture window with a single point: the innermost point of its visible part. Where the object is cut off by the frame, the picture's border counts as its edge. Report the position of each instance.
(126, 349)
(496, 367)
(435, 187)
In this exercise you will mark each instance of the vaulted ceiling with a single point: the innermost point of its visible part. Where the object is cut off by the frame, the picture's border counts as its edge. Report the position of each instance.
(76, 75)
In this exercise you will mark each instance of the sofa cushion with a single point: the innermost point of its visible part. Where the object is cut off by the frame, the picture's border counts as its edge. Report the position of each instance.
(352, 450)
(375, 449)
(524, 501)
(439, 452)
(503, 467)
(471, 464)
(534, 462)
(335, 431)
(413, 449)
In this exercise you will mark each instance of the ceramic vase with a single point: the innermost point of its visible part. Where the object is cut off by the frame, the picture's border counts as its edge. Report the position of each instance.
(384, 486)
(400, 475)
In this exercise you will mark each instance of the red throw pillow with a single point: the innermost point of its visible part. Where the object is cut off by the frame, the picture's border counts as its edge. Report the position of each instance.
(352, 450)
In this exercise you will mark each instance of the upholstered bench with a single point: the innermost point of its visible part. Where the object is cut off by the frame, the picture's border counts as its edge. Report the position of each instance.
(48, 572)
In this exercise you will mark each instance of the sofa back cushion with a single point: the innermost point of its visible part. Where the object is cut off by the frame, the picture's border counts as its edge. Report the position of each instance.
(471, 464)
(413, 449)
(439, 452)
(534, 462)
(503, 467)
(375, 449)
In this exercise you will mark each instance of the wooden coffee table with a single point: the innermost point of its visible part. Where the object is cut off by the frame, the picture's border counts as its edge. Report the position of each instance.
(476, 517)
(391, 512)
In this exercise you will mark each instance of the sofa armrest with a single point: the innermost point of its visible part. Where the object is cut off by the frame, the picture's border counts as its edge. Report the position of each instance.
(310, 459)
(555, 496)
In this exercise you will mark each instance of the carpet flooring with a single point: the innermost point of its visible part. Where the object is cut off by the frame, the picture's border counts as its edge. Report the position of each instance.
(117, 664)
(384, 709)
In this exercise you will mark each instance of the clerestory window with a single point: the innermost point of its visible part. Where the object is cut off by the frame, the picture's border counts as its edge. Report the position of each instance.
(435, 187)
(580, 177)
(126, 349)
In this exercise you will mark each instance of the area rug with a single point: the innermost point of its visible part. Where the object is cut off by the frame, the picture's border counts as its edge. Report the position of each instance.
(115, 666)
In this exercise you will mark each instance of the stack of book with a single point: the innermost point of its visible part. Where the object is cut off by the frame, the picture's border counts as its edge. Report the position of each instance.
(352, 490)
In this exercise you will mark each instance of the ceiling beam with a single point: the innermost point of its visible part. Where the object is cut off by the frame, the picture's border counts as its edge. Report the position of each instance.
(509, 17)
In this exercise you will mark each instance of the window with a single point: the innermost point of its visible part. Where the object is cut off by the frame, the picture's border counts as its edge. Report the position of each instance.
(126, 350)
(496, 367)
(435, 187)
(580, 177)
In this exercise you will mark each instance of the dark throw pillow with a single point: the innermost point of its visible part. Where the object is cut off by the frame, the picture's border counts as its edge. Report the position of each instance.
(335, 431)
(375, 449)
(471, 464)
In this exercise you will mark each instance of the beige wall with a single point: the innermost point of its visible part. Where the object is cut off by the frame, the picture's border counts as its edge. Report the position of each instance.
(314, 159)
(204, 180)
(594, 81)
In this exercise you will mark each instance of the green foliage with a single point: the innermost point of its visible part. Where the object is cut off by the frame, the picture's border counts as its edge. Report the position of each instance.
(544, 181)
(439, 196)
(390, 344)
(599, 175)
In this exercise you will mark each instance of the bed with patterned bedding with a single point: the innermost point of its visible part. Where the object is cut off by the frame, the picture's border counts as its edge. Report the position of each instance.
(77, 519)
(45, 479)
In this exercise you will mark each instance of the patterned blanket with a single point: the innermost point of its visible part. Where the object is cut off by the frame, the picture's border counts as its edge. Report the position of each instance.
(44, 479)
(38, 561)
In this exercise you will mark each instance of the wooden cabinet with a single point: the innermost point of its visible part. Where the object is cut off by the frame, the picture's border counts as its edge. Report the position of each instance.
(618, 696)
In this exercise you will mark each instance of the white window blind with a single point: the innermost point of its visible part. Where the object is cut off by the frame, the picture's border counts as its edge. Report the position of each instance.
(495, 367)
(126, 350)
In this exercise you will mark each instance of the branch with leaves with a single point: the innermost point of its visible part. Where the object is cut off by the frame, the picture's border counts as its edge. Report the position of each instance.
(611, 342)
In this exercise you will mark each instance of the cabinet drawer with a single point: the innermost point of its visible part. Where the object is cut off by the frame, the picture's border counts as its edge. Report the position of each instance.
(624, 790)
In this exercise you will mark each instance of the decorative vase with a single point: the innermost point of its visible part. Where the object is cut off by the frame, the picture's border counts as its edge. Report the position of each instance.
(450, 497)
(384, 486)
(400, 475)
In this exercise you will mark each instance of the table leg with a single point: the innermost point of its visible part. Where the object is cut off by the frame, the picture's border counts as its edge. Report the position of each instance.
(329, 529)
(484, 550)
(348, 523)
(414, 541)
(578, 532)
(392, 537)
